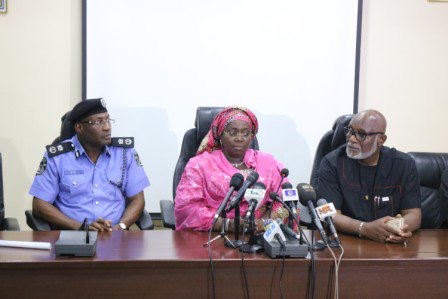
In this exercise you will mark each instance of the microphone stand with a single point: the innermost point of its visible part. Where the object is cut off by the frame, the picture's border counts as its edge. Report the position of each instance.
(237, 242)
(319, 245)
(291, 221)
(223, 233)
(251, 246)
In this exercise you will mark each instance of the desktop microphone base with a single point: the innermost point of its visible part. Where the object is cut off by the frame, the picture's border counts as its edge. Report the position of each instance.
(319, 245)
(293, 248)
(74, 243)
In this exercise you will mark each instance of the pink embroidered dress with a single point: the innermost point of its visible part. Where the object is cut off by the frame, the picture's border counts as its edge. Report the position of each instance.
(206, 180)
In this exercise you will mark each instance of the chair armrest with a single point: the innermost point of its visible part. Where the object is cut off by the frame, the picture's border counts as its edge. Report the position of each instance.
(10, 224)
(36, 223)
(145, 221)
(167, 213)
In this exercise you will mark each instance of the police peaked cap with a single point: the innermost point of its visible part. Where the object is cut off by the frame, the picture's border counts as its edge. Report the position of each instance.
(87, 108)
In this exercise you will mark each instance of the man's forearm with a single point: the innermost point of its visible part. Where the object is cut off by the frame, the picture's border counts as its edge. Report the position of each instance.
(412, 218)
(134, 209)
(346, 224)
(51, 214)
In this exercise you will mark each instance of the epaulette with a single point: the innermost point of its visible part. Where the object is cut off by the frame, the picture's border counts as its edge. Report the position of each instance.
(60, 148)
(122, 142)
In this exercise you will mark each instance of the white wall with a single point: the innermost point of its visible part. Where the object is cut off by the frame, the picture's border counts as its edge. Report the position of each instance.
(162, 59)
(40, 79)
(404, 73)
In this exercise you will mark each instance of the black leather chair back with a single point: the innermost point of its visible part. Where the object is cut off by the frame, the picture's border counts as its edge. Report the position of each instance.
(67, 128)
(2, 205)
(329, 142)
(5, 223)
(430, 167)
(193, 138)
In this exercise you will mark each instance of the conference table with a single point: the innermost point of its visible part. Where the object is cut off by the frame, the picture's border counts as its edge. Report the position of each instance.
(173, 264)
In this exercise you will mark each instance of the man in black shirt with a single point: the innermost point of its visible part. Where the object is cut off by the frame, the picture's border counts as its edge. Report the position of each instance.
(370, 184)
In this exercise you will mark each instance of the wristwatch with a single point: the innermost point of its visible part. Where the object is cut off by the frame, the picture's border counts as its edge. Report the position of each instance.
(122, 226)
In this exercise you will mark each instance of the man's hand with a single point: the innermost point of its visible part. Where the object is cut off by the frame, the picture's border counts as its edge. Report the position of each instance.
(380, 231)
(101, 225)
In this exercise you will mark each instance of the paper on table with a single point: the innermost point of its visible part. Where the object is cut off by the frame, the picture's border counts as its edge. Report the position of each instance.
(25, 244)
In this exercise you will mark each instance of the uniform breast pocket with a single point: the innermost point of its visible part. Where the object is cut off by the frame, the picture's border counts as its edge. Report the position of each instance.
(74, 185)
(115, 187)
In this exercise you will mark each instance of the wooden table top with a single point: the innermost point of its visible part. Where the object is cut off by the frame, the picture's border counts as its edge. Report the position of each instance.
(180, 248)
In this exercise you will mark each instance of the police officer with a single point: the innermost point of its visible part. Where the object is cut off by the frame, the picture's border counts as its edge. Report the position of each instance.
(90, 176)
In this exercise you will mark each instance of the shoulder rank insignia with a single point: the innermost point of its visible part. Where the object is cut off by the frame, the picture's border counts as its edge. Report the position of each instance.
(122, 142)
(60, 148)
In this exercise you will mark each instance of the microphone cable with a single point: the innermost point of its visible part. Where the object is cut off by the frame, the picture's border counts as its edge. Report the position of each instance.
(312, 279)
(212, 269)
(337, 262)
(282, 249)
(243, 264)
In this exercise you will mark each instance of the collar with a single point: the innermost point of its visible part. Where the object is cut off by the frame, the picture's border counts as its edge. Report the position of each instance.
(81, 150)
(385, 163)
(249, 157)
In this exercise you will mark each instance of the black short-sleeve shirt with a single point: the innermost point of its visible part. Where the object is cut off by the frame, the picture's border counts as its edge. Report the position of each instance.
(367, 193)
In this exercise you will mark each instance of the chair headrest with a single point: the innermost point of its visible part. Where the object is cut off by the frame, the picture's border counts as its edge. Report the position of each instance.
(338, 129)
(67, 129)
(430, 167)
(204, 119)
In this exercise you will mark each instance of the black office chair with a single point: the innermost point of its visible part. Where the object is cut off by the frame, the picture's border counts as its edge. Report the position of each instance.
(431, 167)
(67, 132)
(5, 223)
(190, 144)
(329, 142)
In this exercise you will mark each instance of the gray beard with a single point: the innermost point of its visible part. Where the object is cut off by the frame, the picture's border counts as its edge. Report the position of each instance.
(361, 155)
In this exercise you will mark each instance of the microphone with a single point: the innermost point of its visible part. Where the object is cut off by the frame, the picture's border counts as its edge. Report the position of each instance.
(307, 197)
(235, 184)
(290, 196)
(283, 173)
(287, 230)
(274, 196)
(251, 179)
(254, 197)
(304, 213)
(326, 211)
(273, 231)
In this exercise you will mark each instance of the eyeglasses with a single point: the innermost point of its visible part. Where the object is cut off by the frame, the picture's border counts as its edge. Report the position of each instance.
(99, 122)
(234, 134)
(358, 135)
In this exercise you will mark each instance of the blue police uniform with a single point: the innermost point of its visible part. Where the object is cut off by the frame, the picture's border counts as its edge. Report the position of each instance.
(69, 180)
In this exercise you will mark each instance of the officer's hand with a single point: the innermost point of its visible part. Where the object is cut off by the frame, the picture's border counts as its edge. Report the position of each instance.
(101, 225)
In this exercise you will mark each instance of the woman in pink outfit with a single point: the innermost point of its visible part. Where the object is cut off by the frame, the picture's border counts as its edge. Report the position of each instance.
(206, 178)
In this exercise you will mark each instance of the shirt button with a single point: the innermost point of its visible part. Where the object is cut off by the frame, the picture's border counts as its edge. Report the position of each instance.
(97, 202)
(74, 183)
(96, 186)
